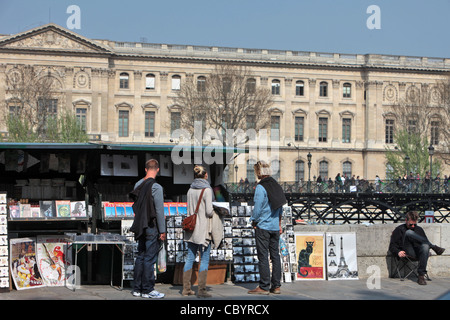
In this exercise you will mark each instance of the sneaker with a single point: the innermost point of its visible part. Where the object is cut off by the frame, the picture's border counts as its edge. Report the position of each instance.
(258, 290)
(153, 295)
(135, 294)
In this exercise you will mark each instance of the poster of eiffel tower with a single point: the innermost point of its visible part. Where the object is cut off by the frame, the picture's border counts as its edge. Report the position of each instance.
(341, 256)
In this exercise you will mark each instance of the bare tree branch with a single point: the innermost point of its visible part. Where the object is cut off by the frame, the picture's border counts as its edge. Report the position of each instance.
(425, 111)
(442, 95)
(31, 108)
(227, 99)
(413, 112)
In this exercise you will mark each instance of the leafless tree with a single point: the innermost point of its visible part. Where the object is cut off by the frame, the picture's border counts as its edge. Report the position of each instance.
(31, 108)
(425, 111)
(443, 97)
(29, 90)
(414, 110)
(226, 99)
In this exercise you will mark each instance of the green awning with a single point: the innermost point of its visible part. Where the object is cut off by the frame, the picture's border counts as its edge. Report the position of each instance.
(56, 146)
(169, 147)
(118, 147)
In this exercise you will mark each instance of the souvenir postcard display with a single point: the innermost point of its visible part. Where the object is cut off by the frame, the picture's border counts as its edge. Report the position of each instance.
(287, 246)
(176, 249)
(224, 252)
(245, 259)
(4, 256)
(176, 246)
(130, 250)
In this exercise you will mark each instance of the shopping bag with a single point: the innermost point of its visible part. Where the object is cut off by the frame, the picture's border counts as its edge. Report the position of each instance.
(162, 263)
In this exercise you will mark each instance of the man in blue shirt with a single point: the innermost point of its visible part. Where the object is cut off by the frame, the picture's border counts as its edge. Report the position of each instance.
(266, 219)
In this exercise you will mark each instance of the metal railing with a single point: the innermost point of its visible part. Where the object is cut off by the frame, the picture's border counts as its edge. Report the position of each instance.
(363, 186)
(364, 201)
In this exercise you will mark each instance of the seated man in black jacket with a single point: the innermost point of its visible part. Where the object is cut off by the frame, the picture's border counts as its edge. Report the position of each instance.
(410, 240)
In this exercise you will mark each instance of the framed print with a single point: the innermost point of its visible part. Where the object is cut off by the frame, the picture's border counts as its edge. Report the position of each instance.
(183, 173)
(106, 165)
(165, 166)
(125, 165)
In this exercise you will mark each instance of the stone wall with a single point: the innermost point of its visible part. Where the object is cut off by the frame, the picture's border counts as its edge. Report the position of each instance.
(372, 243)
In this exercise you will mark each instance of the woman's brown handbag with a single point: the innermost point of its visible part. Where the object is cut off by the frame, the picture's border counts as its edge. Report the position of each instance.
(189, 222)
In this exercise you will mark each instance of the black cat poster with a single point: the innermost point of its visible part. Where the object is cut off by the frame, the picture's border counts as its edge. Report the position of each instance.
(310, 252)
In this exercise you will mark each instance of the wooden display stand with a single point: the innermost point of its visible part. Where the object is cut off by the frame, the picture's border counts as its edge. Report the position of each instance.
(216, 274)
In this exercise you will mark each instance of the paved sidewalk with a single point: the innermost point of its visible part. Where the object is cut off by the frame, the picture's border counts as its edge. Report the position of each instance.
(389, 289)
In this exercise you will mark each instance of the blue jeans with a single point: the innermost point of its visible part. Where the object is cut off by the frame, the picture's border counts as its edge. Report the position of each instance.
(144, 270)
(420, 252)
(192, 252)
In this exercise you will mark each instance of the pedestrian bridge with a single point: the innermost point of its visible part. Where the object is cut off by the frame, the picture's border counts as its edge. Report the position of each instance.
(365, 202)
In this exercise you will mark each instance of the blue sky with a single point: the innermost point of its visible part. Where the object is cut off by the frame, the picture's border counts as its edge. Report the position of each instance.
(408, 27)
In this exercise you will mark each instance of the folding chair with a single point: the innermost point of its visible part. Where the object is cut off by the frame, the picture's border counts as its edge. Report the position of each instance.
(407, 266)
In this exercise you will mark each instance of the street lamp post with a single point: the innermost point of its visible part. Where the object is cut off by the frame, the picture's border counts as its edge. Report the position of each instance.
(407, 165)
(309, 156)
(297, 175)
(407, 172)
(431, 152)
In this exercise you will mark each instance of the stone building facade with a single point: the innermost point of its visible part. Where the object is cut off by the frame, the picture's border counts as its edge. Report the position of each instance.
(334, 106)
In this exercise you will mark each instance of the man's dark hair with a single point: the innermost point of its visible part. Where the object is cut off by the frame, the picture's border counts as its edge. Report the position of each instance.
(412, 215)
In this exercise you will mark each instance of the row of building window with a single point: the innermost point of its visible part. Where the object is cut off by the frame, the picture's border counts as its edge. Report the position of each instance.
(124, 83)
(412, 128)
(300, 173)
(149, 120)
(299, 124)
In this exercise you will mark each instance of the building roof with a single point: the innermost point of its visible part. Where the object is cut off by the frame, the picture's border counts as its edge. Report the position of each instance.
(52, 37)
